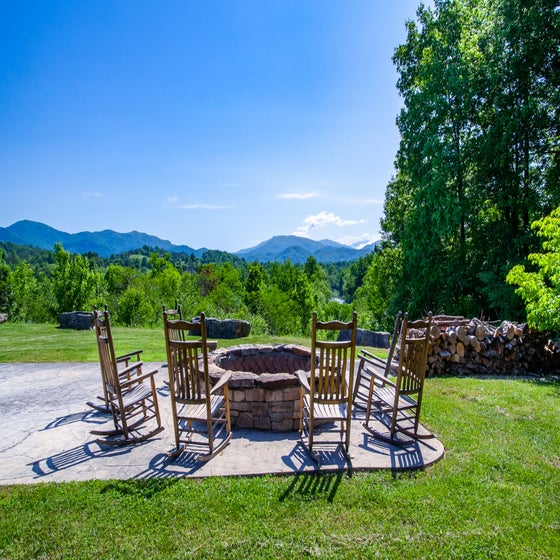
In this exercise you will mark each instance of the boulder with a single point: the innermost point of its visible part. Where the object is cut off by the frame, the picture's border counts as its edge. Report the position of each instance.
(3, 317)
(225, 328)
(367, 338)
(77, 320)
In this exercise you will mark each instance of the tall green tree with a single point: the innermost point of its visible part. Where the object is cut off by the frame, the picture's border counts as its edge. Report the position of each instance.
(476, 162)
(319, 286)
(76, 286)
(227, 293)
(254, 285)
(375, 299)
(25, 290)
(427, 205)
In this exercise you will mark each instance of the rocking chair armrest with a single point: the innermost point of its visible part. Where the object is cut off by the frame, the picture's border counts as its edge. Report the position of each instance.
(223, 381)
(304, 382)
(126, 357)
(367, 357)
(382, 379)
(372, 358)
(139, 378)
(130, 368)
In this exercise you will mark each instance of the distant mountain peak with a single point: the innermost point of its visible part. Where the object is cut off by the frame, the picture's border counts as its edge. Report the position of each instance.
(105, 243)
(108, 242)
(299, 249)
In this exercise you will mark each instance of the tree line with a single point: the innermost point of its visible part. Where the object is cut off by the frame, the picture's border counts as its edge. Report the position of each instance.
(277, 298)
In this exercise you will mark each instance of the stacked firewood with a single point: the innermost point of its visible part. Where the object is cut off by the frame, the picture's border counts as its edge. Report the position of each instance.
(461, 346)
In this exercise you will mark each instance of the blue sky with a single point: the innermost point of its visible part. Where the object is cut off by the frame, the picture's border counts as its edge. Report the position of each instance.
(210, 124)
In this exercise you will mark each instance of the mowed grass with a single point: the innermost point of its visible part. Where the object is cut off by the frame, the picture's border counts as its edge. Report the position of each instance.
(27, 342)
(495, 494)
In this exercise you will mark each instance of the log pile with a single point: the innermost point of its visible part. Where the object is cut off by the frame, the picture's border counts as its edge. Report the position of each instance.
(471, 347)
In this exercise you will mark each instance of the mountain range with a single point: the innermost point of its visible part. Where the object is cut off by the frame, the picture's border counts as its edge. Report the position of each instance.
(108, 242)
(298, 249)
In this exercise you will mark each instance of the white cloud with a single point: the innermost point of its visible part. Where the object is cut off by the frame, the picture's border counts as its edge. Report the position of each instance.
(297, 196)
(94, 194)
(325, 219)
(358, 241)
(201, 206)
(173, 202)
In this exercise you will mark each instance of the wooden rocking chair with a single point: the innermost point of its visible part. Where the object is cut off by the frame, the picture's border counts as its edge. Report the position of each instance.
(201, 415)
(122, 363)
(396, 402)
(326, 396)
(369, 361)
(130, 393)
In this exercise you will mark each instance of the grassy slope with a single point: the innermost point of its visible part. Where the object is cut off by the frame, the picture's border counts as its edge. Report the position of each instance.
(494, 495)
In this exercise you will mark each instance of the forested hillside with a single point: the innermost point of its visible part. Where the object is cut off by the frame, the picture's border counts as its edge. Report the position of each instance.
(277, 298)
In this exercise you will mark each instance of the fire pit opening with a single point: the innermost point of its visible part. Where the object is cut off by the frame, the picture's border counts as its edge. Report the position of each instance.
(264, 390)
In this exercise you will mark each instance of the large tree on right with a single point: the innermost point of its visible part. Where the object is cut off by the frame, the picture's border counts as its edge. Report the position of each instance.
(479, 151)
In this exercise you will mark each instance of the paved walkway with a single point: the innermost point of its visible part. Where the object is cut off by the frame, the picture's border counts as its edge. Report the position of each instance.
(45, 437)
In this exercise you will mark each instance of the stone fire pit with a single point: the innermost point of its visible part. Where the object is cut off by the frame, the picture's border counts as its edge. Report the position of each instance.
(264, 390)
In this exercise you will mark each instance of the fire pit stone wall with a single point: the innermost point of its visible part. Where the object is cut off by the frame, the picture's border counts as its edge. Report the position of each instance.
(264, 390)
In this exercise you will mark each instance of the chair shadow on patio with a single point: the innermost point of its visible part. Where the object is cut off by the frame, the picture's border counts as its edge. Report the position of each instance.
(330, 456)
(70, 458)
(89, 416)
(400, 459)
(163, 466)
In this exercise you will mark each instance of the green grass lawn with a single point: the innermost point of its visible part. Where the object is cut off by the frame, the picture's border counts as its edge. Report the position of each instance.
(494, 495)
(48, 343)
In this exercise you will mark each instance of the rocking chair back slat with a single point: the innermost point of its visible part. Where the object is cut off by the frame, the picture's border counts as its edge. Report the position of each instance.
(330, 373)
(185, 362)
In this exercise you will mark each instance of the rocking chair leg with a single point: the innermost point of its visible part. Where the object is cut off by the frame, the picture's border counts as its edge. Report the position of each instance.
(99, 407)
(176, 452)
(130, 440)
(106, 433)
(207, 456)
(389, 439)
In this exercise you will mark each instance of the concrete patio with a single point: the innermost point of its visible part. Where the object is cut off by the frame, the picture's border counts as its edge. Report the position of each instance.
(45, 426)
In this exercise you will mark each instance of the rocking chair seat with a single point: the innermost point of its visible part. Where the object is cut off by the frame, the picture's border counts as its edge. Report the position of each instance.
(326, 412)
(386, 399)
(198, 410)
(135, 395)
